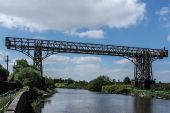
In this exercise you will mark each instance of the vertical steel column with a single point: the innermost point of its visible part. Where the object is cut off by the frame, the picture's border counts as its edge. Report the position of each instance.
(37, 59)
(143, 71)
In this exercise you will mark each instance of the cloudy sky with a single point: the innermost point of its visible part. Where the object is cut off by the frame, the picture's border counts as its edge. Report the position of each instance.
(138, 23)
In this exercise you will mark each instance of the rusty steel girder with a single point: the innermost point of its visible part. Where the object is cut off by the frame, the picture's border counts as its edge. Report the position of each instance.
(38, 50)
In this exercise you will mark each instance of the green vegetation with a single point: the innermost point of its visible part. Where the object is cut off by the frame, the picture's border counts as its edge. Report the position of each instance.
(49, 83)
(96, 84)
(26, 74)
(127, 80)
(105, 85)
(70, 84)
(6, 99)
(129, 90)
(3, 74)
(29, 75)
(117, 89)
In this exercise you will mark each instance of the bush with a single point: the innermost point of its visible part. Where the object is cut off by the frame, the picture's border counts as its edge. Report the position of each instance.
(28, 77)
(49, 82)
(3, 74)
(118, 89)
(126, 80)
(96, 84)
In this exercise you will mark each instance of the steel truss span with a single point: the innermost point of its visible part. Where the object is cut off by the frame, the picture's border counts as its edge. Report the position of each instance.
(142, 58)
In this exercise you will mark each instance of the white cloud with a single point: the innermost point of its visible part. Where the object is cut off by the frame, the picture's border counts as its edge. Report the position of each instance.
(96, 34)
(167, 62)
(3, 54)
(122, 61)
(87, 60)
(18, 22)
(88, 72)
(60, 59)
(163, 11)
(57, 59)
(83, 68)
(39, 37)
(164, 15)
(70, 14)
(162, 75)
(168, 38)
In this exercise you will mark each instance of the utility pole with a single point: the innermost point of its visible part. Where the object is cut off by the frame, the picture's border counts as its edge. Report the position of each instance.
(7, 61)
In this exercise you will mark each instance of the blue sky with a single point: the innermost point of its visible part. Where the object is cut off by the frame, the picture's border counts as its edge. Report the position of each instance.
(138, 23)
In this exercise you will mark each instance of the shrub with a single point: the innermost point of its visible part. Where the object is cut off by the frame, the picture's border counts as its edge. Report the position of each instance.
(96, 84)
(28, 77)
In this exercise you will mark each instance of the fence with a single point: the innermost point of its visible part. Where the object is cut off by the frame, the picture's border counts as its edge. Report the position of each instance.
(7, 86)
(6, 99)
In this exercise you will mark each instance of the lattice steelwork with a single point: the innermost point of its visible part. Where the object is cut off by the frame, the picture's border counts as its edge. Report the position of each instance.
(38, 50)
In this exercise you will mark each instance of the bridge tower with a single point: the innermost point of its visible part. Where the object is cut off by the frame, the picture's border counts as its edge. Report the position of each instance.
(37, 58)
(142, 58)
(143, 76)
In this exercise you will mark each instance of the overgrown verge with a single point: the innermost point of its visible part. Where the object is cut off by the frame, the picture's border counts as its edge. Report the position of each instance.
(29, 75)
(128, 90)
(39, 96)
(72, 85)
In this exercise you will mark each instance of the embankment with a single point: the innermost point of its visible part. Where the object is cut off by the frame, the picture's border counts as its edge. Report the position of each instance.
(21, 103)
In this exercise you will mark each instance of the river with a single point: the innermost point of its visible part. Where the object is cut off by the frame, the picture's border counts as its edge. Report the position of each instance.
(83, 101)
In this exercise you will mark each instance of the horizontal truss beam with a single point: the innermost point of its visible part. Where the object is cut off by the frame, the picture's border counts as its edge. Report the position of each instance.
(27, 45)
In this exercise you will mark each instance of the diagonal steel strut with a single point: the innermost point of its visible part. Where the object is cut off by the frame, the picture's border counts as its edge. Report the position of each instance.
(38, 50)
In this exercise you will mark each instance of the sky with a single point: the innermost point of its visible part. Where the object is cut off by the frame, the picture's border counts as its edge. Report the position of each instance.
(134, 23)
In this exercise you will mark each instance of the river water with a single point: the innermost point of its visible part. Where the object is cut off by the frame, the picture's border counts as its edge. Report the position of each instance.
(83, 101)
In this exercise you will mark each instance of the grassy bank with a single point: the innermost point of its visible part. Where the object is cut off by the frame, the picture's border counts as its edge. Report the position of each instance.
(129, 90)
(72, 85)
(39, 97)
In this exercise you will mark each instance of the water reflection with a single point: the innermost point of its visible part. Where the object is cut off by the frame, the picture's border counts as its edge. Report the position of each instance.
(142, 105)
(83, 101)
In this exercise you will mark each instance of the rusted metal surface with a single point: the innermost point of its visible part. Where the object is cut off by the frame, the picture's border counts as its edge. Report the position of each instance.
(38, 50)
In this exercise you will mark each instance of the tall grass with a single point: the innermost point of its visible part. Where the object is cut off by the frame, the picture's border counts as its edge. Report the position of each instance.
(6, 99)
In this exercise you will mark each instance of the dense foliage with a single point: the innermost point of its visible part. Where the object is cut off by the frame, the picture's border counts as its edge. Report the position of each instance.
(28, 77)
(49, 82)
(117, 88)
(3, 74)
(69, 83)
(96, 84)
(127, 80)
(26, 74)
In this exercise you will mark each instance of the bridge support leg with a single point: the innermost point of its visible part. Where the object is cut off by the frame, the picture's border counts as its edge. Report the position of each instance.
(38, 58)
(143, 72)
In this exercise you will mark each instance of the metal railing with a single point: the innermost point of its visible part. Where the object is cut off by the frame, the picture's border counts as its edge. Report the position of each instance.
(6, 99)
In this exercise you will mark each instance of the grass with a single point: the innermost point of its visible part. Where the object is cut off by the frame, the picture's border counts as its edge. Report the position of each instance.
(71, 85)
(6, 99)
(129, 90)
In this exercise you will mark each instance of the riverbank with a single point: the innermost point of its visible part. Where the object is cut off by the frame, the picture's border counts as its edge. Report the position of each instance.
(159, 92)
(129, 90)
(39, 97)
(72, 85)
(83, 101)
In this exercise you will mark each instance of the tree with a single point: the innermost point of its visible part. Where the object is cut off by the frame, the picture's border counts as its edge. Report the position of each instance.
(49, 82)
(114, 81)
(69, 81)
(20, 64)
(28, 77)
(3, 73)
(127, 80)
(96, 84)
(26, 74)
